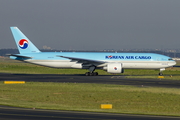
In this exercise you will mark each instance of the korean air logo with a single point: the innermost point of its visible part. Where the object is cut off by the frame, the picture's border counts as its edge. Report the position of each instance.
(23, 43)
(115, 68)
(110, 56)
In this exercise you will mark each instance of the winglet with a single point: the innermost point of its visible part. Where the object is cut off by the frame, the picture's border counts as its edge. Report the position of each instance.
(24, 45)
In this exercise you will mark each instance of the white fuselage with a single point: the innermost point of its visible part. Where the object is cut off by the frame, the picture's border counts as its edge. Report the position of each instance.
(125, 64)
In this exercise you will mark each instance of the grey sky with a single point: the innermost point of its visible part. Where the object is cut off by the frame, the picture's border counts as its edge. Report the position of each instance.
(92, 24)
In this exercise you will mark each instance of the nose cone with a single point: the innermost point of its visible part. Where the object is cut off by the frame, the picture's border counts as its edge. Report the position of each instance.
(172, 63)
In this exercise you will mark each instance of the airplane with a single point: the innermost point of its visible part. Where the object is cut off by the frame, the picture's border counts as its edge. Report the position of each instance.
(111, 62)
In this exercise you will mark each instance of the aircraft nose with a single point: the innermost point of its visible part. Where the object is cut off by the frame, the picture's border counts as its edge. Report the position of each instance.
(172, 63)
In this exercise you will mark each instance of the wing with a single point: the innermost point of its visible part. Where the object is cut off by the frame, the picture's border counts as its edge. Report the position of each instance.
(84, 61)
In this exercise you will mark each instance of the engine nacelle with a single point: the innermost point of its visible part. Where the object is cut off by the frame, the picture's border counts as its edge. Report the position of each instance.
(114, 68)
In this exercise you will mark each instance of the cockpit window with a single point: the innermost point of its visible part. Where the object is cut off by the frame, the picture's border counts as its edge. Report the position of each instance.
(170, 59)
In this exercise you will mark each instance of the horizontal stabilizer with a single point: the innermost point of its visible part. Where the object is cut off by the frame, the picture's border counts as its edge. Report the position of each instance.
(21, 56)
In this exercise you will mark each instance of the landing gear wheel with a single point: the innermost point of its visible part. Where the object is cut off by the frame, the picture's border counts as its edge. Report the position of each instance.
(160, 74)
(95, 73)
(87, 73)
(91, 74)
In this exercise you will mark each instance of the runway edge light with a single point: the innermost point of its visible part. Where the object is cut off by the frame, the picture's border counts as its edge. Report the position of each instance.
(14, 82)
(106, 106)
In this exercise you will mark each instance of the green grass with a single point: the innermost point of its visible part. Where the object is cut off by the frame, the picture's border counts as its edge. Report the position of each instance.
(88, 97)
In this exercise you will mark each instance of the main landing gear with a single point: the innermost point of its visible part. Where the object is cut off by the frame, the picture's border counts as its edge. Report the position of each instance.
(91, 73)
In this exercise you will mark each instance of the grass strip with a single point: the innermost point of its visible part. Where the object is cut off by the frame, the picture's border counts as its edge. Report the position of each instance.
(89, 97)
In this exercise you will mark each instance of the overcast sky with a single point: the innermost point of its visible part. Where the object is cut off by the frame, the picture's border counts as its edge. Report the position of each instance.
(92, 24)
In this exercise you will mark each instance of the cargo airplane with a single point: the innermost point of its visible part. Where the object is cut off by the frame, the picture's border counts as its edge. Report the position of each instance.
(111, 62)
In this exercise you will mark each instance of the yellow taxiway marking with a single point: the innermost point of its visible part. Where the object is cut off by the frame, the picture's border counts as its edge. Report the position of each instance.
(14, 82)
(160, 76)
(106, 106)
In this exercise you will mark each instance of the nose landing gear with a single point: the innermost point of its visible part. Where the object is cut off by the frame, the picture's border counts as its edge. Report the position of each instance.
(161, 70)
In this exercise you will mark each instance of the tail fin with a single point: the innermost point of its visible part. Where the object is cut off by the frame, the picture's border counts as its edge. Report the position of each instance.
(23, 43)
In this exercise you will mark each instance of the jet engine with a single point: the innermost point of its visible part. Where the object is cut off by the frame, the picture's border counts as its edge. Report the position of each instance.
(114, 68)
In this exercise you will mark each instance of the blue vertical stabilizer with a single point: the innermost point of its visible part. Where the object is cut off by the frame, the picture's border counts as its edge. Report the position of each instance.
(24, 45)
